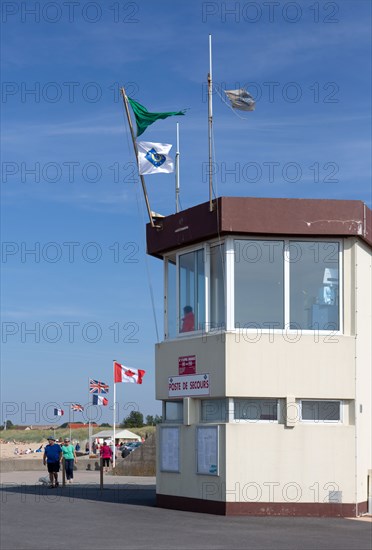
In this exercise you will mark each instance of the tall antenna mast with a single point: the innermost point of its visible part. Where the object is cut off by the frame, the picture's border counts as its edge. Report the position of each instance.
(210, 119)
(178, 169)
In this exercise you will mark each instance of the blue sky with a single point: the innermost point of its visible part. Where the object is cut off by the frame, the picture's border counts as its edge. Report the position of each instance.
(69, 191)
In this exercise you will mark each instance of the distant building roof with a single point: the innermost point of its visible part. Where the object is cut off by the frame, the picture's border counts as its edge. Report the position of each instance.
(76, 425)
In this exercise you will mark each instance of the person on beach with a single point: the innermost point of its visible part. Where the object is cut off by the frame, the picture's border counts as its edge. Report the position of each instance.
(69, 454)
(52, 458)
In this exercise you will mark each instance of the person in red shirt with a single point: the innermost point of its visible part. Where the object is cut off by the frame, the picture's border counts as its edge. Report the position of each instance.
(188, 321)
(106, 455)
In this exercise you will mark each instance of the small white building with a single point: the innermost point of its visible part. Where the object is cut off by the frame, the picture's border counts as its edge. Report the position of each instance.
(265, 367)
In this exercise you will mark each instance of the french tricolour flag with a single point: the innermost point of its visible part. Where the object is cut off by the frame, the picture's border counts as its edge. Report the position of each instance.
(58, 412)
(99, 400)
(125, 374)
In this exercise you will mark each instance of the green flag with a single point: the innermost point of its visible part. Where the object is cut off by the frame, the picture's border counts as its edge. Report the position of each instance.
(144, 118)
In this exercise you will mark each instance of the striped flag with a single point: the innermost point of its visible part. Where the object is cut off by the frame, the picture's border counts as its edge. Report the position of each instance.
(99, 400)
(58, 412)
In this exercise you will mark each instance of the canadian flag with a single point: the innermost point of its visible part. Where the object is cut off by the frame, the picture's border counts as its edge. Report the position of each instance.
(125, 374)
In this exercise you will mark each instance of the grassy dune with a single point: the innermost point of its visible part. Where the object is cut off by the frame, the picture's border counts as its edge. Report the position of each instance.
(39, 436)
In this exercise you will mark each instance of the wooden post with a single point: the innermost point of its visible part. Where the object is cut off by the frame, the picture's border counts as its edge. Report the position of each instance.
(63, 472)
(101, 473)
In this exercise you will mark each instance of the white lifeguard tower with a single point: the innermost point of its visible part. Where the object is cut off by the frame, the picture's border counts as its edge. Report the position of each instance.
(265, 377)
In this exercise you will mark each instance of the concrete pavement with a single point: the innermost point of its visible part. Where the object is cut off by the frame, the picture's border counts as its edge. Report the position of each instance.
(123, 516)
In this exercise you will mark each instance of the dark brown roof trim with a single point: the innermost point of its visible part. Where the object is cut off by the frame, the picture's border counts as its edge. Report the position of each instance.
(258, 216)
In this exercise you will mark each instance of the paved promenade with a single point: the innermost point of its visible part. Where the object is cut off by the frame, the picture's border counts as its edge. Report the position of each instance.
(123, 516)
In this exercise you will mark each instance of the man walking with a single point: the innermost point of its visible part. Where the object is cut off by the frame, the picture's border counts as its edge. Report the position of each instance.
(52, 458)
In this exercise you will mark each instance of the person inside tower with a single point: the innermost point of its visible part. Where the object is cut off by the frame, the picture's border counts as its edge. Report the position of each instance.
(188, 321)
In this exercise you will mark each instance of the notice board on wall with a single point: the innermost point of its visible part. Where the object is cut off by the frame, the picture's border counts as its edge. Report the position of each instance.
(207, 450)
(170, 449)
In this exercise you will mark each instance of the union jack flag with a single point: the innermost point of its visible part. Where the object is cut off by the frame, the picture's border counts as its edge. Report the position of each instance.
(77, 407)
(98, 387)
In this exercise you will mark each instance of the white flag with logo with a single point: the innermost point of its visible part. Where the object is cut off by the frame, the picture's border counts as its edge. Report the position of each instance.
(153, 158)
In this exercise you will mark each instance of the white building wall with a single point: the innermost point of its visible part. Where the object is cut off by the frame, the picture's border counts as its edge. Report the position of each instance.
(187, 483)
(268, 462)
(270, 367)
(311, 367)
(363, 381)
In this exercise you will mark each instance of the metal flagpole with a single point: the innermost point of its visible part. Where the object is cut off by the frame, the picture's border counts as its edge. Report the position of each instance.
(114, 423)
(136, 154)
(210, 119)
(89, 439)
(178, 169)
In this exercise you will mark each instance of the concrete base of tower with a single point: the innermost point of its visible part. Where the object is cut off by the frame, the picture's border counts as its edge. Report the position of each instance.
(299, 509)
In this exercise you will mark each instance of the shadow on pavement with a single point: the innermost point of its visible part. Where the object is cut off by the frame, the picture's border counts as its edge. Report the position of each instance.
(139, 495)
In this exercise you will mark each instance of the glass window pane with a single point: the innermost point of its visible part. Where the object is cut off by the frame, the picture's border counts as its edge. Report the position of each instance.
(174, 411)
(214, 410)
(314, 285)
(187, 291)
(171, 300)
(192, 291)
(259, 284)
(256, 409)
(321, 411)
(217, 287)
(200, 295)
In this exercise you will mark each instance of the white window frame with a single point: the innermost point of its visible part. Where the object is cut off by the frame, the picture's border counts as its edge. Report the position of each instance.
(228, 410)
(169, 258)
(287, 321)
(230, 286)
(166, 420)
(326, 422)
(229, 244)
(287, 286)
(257, 420)
(195, 248)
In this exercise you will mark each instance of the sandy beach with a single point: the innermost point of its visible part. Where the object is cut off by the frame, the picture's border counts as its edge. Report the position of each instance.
(8, 450)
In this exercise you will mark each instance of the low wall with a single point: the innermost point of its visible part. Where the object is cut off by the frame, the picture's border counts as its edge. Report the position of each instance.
(140, 462)
(36, 465)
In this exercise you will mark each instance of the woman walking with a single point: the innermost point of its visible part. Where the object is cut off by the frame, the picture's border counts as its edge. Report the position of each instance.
(69, 454)
(106, 455)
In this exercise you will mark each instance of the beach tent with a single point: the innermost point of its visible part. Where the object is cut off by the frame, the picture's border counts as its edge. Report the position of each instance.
(122, 435)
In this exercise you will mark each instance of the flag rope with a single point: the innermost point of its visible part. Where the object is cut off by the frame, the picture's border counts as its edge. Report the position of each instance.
(149, 281)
